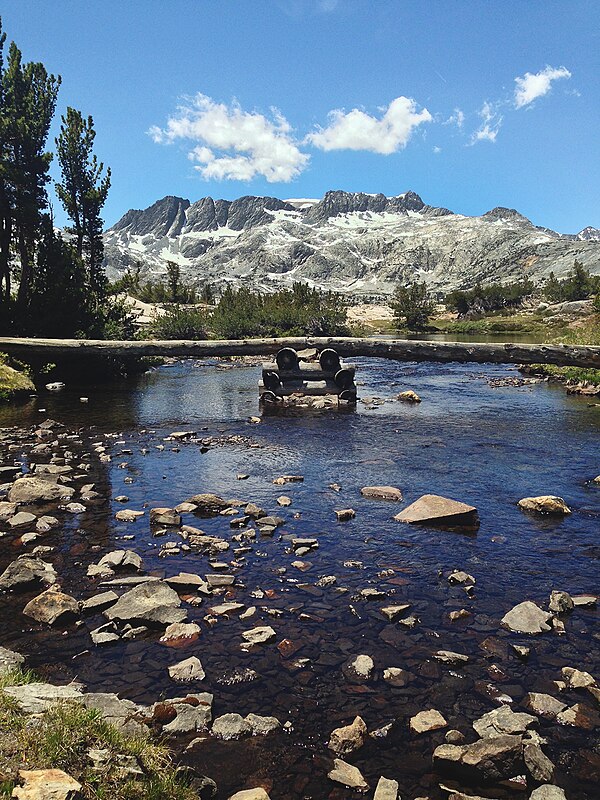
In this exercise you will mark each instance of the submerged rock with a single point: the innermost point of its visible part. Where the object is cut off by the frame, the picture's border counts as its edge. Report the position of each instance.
(527, 617)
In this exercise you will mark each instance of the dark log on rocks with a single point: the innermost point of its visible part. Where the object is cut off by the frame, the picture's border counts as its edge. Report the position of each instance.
(397, 349)
(309, 372)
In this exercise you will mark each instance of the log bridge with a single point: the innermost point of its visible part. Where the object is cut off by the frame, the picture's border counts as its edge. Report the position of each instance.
(561, 355)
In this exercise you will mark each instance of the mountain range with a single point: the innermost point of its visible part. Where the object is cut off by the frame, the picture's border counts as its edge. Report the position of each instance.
(351, 242)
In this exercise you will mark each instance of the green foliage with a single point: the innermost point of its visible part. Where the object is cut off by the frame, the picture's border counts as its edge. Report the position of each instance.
(174, 291)
(180, 323)
(483, 299)
(27, 101)
(578, 285)
(299, 311)
(412, 306)
(62, 737)
(83, 193)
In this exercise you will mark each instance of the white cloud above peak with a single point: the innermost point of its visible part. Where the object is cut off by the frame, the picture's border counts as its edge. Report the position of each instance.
(357, 130)
(533, 85)
(490, 125)
(230, 143)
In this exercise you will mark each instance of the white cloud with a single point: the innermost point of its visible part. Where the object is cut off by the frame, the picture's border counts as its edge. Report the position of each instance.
(232, 143)
(456, 118)
(488, 130)
(357, 130)
(437, 149)
(531, 86)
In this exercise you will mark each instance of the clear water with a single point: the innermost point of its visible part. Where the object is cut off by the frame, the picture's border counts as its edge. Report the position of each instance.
(466, 440)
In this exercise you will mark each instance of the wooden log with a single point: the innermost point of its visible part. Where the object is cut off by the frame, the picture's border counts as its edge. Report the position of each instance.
(397, 349)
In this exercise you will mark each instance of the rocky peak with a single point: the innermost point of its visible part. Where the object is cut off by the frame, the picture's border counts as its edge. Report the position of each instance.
(249, 211)
(339, 202)
(589, 234)
(501, 213)
(166, 217)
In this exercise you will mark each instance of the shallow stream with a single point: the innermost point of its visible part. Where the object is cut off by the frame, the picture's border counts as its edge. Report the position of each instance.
(487, 445)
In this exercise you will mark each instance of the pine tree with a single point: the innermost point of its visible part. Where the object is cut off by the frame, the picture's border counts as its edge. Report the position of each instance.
(28, 101)
(83, 192)
(411, 306)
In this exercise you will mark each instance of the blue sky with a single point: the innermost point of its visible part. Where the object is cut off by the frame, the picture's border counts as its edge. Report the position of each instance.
(470, 104)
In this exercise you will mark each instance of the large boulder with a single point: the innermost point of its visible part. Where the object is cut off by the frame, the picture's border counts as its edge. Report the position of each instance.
(25, 571)
(37, 490)
(545, 504)
(208, 505)
(437, 510)
(51, 606)
(527, 617)
(487, 760)
(151, 602)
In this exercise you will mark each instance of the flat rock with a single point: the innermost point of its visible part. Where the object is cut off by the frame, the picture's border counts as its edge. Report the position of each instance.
(386, 789)
(487, 759)
(128, 515)
(231, 726)
(538, 764)
(260, 635)
(123, 714)
(349, 738)
(51, 606)
(436, 509)
(396, 676)
(261, 726)
(577, 679)
(448, 657)
(393, 612)
(544, 705)
(527, 617)
(288, 479)
(502, 721)
(345, 514)
(121, 559)
(36, 490)
(348, 775)
(46, 784)
(186, 671)
(35, 698)
(99, 601)
(179, 631)
(545, 504)
(153, 602)
(27, 570)
(21, 518)
(381, 493)
(165, 516)
(361, 667)
(426, 721)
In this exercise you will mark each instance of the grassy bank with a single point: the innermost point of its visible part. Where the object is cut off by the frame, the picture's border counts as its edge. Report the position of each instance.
(13, 383)
(587, 332)
(132, 767)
